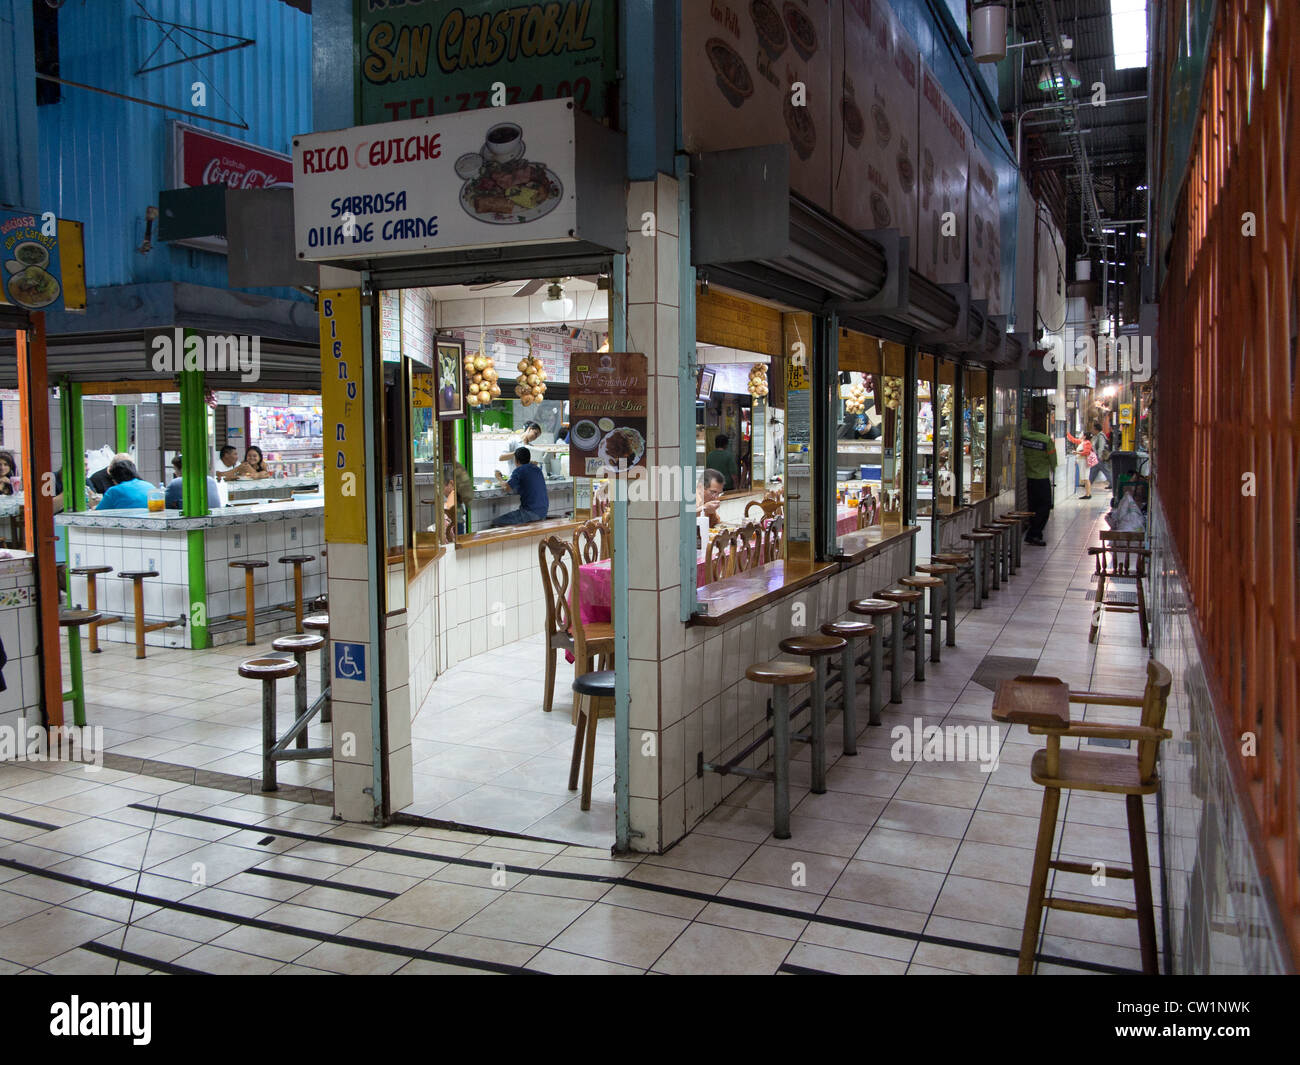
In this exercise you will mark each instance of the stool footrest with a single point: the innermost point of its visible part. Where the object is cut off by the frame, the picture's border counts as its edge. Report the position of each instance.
(299, 753)
(1099, 909)
(1118, 872)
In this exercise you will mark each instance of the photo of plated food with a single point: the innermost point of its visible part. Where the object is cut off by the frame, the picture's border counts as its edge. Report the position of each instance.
(771, 31)
(854, 126)
(33, 288)
(31, 253)
(585, 435)
(733, 76)
(803, 131)
(622, 445)
(802, 32)
(507, 189)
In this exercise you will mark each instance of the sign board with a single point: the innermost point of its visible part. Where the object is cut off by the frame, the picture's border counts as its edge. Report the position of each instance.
(201, 158)
(984, 232)
(495, 177)
(349, 660)
(343, 416)
(608, 412)
(32, 247)
(424, 59)
(941, 215)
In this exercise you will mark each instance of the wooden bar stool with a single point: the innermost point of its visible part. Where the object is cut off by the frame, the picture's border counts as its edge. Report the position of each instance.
(297, 562)
(981, 543)
(849, 631)
(137, 580)
(780, 675)
(92, 602)
(947, 572)
(72, 620)
(298, 646)
(1043, 704)
(922, 583)
(319, 623)
(913, 601)
(248, 617)
(268, 671)
(878, 610)
(817, 648)
(598, 690)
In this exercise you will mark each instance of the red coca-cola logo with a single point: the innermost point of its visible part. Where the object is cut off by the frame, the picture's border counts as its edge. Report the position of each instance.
(224, 172)
(209, 160)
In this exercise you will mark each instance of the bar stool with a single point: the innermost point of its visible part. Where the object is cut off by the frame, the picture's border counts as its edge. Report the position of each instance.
(780, 675)
(1008, 528)
(268, 671)
(849, 631)
(879, 609)
(247, 617)
(909, 598)
(297, 562)
(320, 624)
(947, 572)
(72, 620)
(999, 535)
(980, 542)
(92, 601)
(137, 579)
(298, 646)
(962, 560)
(922, 582)
(598, 687)
(817, 648)
(1020, 517)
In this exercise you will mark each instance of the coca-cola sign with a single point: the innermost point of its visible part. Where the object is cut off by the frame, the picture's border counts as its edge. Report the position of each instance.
(202, 158)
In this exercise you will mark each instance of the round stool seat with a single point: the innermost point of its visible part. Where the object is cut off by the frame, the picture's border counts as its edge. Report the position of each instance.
(923, 581)
(902, 595)
(812, 646)
(291, 559)
(780, 673)
(951, 558)
(1022, 515)
(937, 569)
(85, 571)
(873, 607)
(248, 563)
(977, 537)
(320, 622)
(138, 573)
(599, 684)
(268, 668)
(849, 630)
(71, 619)
(304, 641)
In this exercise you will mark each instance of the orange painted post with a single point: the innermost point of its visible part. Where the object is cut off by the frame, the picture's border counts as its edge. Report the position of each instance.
(38, 505)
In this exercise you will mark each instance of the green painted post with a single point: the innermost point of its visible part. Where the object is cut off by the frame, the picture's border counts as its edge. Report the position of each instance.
(465, 455)
(122, 439)
(72, 428)
(194, 497)
(77, 693)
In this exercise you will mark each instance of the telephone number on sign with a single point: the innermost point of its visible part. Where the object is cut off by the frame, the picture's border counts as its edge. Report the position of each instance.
(421, 107)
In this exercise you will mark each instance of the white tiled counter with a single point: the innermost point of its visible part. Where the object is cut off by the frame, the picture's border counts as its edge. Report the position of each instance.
(139, 540)
(18, 636)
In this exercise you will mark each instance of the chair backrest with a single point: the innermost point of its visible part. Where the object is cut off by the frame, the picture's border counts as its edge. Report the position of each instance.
(1121, 554)
(720, 556)
(868, 513)
(1155, 701)
(607, 533)
(558, 562)
(774, 534)
(750, 547)
(588, 538)
(770, 507)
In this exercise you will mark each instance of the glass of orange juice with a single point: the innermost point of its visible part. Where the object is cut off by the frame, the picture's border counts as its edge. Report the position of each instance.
(157, 501)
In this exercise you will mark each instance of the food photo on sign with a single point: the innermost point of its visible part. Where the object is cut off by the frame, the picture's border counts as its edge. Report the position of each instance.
(29, 263)
(607, 412)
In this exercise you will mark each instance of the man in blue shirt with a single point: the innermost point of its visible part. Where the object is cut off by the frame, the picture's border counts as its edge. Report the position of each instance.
(128, 492)
(175, 495)
(529, 482)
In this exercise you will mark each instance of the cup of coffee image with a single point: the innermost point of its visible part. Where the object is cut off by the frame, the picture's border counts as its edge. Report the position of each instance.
(504, 143)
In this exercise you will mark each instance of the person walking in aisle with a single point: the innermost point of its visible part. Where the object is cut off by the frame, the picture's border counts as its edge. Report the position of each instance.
(1040, 460)
(1083, 451)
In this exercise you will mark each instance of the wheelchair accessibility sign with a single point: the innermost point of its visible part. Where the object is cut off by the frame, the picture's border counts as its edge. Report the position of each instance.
(349, 661)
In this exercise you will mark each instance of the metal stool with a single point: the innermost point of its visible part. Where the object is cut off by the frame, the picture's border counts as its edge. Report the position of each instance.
(909, 598)
(598, 687)
(849, 631)
(962, 560)
(297, 562)
(1021, 517)
(996, 547)
(248, 616)
(268, 671)
(817, 648)
(92, 602)
(780, 675)
(980, 544)
(298, 646)
(879, 608)
(920, 583)
(137, 579)
(320, 624)
(1009, 529)
(947, 572)
(72, 620)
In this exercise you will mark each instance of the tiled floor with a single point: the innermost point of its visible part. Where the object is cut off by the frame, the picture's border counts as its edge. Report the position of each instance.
(898, 868)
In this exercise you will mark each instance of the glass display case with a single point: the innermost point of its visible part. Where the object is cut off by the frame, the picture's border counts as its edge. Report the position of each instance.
(975, 433)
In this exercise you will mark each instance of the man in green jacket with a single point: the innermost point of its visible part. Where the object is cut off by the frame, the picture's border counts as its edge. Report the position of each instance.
(1040, 460)
(723, 461)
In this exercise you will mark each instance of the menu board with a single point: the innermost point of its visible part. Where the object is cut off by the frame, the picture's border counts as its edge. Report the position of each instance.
(984, 238)
(944, 166)
(876, 158)
(744, 63)
(29, 261)
(608, 408)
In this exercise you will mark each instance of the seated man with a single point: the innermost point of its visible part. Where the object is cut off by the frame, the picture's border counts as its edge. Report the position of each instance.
(176, 490)
(529, 482)
(230, 464)
(128, 491)
(707, 494)
(102, 480)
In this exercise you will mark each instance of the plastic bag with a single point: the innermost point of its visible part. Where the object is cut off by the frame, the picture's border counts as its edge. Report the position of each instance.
(1127, 517)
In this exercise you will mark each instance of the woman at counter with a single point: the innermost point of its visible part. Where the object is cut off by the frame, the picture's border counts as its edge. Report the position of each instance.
(253, 468)
(128, 491)
(8, 470)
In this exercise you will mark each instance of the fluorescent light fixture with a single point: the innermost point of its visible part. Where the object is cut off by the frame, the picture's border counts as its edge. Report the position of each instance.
(1128, 27)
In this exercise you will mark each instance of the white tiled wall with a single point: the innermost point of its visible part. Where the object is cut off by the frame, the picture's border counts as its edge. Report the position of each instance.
(18, 631)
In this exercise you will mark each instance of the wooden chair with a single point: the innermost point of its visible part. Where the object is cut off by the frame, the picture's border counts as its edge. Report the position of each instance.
(868, 512)
(1121, 556)
(751, 547)
(593, 698)
(1042, 704)
(587, 541)
(773, 537)
(564, 629)
(770, 508)
(720, 556)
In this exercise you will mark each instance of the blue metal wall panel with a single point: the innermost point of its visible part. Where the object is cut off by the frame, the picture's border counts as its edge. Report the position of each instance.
(18, 168)
(103, 160)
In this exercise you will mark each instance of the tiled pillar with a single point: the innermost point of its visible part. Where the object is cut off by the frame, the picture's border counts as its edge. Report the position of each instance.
(656, 636)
